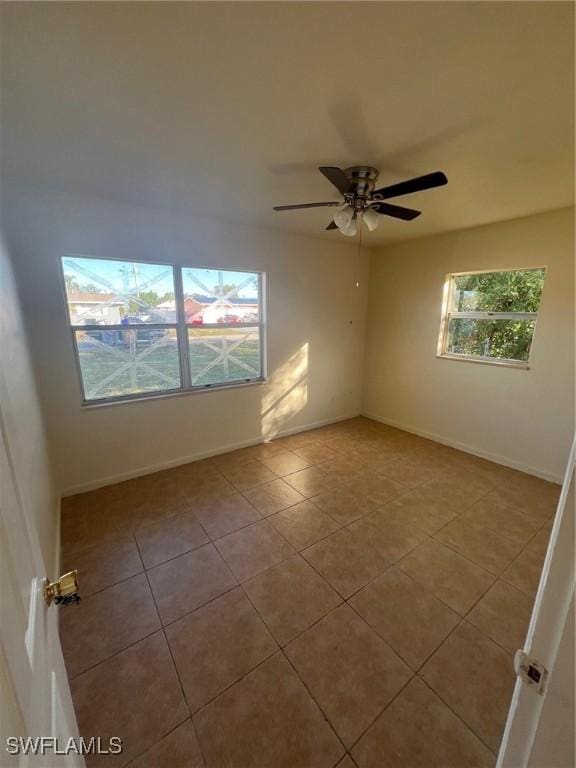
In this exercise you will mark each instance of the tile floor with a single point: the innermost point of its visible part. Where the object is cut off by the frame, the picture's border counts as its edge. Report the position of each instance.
(348, 596)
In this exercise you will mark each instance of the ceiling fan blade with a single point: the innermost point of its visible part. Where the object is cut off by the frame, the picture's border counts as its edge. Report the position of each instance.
(304, 205)
(331, 226)
(397, 211)
(337, 177)
(430, 180)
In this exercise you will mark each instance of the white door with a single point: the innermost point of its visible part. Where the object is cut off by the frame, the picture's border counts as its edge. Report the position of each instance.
(35, 697)
(540, 728)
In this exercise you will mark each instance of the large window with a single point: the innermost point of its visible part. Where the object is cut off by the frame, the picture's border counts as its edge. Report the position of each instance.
(490, 316)
(143, 329)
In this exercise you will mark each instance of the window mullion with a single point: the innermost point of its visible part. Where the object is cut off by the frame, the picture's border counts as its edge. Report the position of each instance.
(182, 330)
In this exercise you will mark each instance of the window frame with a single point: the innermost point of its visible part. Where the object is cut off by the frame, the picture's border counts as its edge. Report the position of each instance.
(180, 326)
(448, 315)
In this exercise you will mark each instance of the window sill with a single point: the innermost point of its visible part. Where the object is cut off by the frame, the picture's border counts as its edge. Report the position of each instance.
(139, 398)
(486, 361)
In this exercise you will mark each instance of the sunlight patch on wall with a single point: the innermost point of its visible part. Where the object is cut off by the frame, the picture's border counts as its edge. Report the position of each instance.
(287, 393)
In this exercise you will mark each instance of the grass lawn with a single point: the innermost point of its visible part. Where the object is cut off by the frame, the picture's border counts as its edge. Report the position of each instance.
(111, 369)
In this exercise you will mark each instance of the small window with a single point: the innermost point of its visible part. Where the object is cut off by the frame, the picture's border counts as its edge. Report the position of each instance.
(491, 316)
(143, 329)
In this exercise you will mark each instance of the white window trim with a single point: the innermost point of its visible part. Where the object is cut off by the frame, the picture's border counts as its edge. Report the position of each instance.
(448, 314)
(181, 327)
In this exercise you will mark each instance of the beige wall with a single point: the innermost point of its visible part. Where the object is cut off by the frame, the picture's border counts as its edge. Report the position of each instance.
(519, 417)
(315, 339)
(22, 422)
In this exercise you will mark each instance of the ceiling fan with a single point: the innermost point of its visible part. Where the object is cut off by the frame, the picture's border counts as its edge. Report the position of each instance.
(362, 201)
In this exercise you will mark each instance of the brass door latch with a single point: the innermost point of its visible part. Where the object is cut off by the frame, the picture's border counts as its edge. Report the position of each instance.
(64, 591)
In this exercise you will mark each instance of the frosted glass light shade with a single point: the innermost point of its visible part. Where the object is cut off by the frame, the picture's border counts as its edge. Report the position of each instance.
(372, 219)
(350, 230)
(343, 217)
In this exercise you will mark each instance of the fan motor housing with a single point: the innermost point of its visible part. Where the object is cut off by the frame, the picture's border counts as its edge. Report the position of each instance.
(363, 178)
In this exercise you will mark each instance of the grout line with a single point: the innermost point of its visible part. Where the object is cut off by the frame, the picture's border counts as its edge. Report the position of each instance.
(171, 731)
(309, 692)
(168, 644)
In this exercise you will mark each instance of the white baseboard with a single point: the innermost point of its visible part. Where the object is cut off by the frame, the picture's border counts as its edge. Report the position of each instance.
(496, 458)
(151, 468)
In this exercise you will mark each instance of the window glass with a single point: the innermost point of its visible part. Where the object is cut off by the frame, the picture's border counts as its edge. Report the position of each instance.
(217, 296)
(132, 339)
(492, 315)
(106, 292)
(116, 363)
(511, 291)
(499, 339)
(224, 355)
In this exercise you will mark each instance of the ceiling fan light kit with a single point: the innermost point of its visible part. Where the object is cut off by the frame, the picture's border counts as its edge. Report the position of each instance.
(362, 203)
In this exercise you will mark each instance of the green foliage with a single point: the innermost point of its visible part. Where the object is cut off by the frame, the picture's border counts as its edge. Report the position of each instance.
(509, 339)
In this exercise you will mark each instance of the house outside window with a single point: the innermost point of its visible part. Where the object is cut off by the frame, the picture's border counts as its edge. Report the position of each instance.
(142, 329)
(491, 317)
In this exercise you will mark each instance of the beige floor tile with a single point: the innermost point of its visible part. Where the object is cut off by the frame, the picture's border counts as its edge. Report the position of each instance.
(267, 720)
(303, 524)
(208, 488)
(160, 498)
(343, 468)
(482, 546)
(454, 491)
(380, 489)
(248, 475)
(392, 540)
(315, 453)
(169, 538)
(217, 645)
(87, 528)
(408, 472)
(104, 565)
(535, 498)
(343, 444)
(346, 762)
(375, 459)
(406, 615)
(299, 440)
(503, 519)
(475, 677)
(311, 481)
(135, 695)
(419, 731)
(189, 581)
(226, 514)
(253, 549)
(345, 561)
(97, 628)
(422, 509)
(539, 544)
(452, 578)
(273, 497)
(291, 597)
(285, 463)
(232, 459)
(180, 749)
(350, 671)
(345, 503)
(266, 450)
(524, 573)
(503, 615)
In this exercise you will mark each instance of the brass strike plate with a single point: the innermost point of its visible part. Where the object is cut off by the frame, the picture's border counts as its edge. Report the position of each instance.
(65, 590)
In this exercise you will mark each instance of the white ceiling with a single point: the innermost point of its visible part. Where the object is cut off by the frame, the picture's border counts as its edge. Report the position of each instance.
(225, 109)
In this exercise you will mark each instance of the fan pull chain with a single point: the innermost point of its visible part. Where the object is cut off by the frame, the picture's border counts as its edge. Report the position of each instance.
(359, 259)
